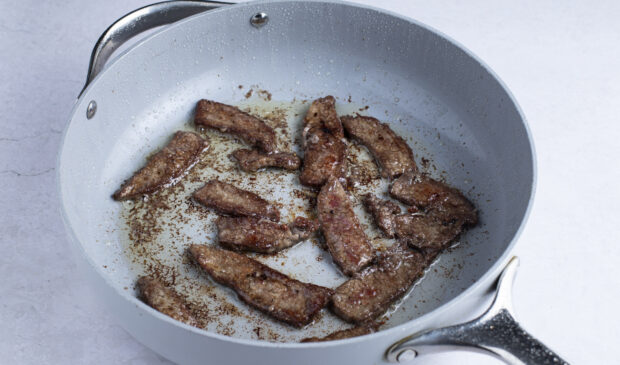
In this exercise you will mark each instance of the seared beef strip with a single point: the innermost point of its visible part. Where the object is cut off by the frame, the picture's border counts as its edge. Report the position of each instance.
(324, 156)
(259, 235)
(426, 231)
(322, 114)
(268, 290)
(391, 152)
(324, 150)
(343, 233)
(252, 160)
(229, 119)
(383, 212)
(370, 293)
(340, 335)
(228, 199)
(454, 208)
(165, 300)
(165, 166)
(418, 189)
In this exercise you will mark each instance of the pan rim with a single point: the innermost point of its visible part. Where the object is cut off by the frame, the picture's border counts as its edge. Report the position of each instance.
(400, 330)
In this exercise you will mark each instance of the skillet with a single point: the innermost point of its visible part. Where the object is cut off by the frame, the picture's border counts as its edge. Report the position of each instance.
(452, 109)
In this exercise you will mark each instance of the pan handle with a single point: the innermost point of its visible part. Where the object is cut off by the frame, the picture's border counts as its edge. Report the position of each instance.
(496, 333)
(139, 21)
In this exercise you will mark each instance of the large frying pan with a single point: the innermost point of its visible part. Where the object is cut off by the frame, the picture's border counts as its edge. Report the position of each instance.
(446, 102)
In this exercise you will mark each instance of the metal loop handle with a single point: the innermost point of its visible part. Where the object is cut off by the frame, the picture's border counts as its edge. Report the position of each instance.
(138, 21)
(496, 333)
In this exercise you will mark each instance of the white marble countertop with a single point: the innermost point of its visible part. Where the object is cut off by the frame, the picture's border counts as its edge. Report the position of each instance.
(560, 59)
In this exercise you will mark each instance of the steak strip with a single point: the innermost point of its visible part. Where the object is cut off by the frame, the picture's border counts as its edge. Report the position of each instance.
(370, 293)
(259, 235)
(252, 160)
(229, 119)
(228, 199)
(324, 150)
(391, 152)
(414, 188)
(165, 300)
(383, 212)
(343, 233)
(268, 290)
(340, 335)
(322, 114)
(161, 169)
(426, 231)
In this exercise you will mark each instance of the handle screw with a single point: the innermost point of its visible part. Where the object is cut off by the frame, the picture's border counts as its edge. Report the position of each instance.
(259, 19)
(406, 356)
(91, 109)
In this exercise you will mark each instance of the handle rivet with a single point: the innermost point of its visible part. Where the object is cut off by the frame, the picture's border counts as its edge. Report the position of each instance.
(406, 355)
(91, 109)
(259, 19)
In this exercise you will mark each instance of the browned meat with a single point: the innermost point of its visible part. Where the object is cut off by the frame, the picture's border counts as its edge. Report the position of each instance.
(252, 160)
(383, 212)
(415, 188)
(167, 301)
(324, 156)
(391, 152)
(343, 233)
(229, 119)
(454, 208)
(426, 231)
(268, 290)
(228, 199)
(447, 211)
(340, 335)
(322, 114)
(165, 166)
(324, 150)
(370, 293)
(259, 235)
